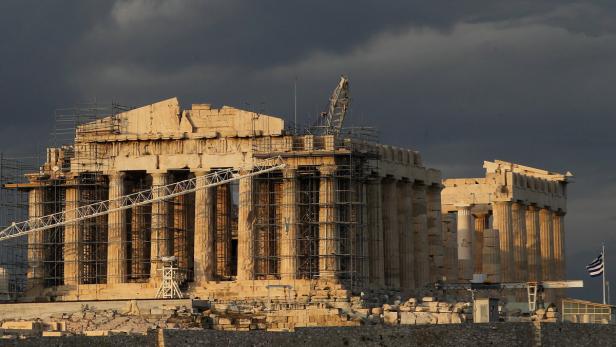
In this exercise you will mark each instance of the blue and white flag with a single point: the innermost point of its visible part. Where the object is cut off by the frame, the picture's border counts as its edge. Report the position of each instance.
(595, 268)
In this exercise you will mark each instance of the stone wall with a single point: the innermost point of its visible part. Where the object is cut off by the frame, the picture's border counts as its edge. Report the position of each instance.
(502, 334)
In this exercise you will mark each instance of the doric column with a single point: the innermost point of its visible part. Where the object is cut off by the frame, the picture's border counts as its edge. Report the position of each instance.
(205, 230)
(547, 244)
(375, 233)
(558, 222)
(435, 237)
(290, 219)
(140, 234)
(491, 255)
(245, 232)
(161, 244)
(116, 232)
(329, 241)
(450, 240)
(503, 223)
(363, 231)
(36, 245)
(465, 243)
(390, 233)
(72, 236)
(420, 233)
(533, 243)
(482, 222)
(405, 235)
(520, 258)
(179, 232)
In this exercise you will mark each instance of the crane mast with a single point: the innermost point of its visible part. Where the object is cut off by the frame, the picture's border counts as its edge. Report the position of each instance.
(337, 109)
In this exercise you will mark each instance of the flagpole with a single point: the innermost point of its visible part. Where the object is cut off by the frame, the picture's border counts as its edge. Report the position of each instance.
(604, 265)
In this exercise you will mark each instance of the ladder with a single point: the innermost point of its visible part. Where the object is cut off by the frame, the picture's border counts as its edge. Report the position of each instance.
(141, 198)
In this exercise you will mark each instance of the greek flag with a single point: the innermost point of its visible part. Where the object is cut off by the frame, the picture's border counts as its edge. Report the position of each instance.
(596, 267)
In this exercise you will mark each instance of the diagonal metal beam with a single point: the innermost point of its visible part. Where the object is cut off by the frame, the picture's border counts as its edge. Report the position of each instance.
(145, 197)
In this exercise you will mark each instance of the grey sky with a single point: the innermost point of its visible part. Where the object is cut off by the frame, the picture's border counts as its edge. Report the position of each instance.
(460, 81)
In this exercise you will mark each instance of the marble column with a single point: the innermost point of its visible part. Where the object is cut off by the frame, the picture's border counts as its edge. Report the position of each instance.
(502, 221)
(140, 230)
(161, 241)
(482, 222)
(435, 238)
(363, 237)
(180, 232)
(405, 235)
(375, 233)
(223, 230)
(36, 244)
(390, 233)
(420, 235)
(558, 222)
(547, 244)
(520, 258)
(450, 240)
(465, 243)
(205, 230)
(290, 220)
(72, 236)
(117, 241)
(329, 241)
(491, 255)
(245, 232)
(533, 243)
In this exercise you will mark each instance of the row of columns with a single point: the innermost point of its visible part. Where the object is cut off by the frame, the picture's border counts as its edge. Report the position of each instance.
(404, 233)
(402, 247)
(531, 242)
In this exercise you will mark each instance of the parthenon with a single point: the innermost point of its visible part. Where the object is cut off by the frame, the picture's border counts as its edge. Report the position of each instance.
(344, 210)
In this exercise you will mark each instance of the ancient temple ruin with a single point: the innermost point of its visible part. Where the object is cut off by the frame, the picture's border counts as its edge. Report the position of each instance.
(315, 213)
(508, 225)
(345, 213)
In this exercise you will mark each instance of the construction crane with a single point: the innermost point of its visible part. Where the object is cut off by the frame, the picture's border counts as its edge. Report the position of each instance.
(145, 197)
(534, 289)
(338, 106)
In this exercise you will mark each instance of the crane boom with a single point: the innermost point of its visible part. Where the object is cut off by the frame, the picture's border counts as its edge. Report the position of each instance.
(338, 106)
(145, 197)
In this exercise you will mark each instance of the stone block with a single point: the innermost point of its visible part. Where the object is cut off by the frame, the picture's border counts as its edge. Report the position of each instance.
(25, 325)
(407, 318)
(377, 310)
(425, 318)
(427, 299)
(156, 311)
(390, 317)
(53, 333)
(444, 318)
(362, 312)
(225, 321)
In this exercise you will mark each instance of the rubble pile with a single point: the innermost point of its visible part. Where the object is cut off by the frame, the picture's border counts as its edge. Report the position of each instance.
(411, 312)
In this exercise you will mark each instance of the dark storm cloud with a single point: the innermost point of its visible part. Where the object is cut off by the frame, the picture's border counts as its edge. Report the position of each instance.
(461, 81)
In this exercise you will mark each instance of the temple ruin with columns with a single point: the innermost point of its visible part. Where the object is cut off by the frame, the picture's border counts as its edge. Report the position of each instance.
(225, 206)
(344, 214)
(508, 225)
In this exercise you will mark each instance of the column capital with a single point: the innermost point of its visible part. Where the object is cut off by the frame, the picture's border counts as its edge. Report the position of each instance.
(419, 185)
(116, 175)
(289, 172)
(200, 172)
(157, 172)
(328, 170)
(532, 208)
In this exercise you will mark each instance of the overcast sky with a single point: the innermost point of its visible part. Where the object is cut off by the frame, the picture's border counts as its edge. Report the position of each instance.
(461, 81)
